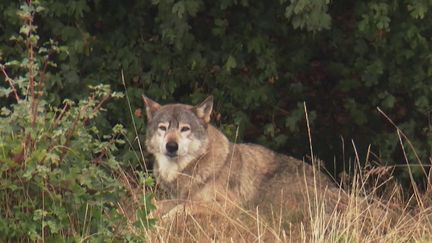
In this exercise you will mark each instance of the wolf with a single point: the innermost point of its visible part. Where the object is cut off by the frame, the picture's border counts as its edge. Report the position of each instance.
(196, 163)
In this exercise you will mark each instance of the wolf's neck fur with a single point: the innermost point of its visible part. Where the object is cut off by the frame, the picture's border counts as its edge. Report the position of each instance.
(214, 159)
(218, 147)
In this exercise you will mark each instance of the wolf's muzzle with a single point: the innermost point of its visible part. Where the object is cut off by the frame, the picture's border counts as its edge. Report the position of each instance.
(171, 148)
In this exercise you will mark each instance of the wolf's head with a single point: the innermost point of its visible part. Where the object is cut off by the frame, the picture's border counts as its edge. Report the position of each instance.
(177, 133)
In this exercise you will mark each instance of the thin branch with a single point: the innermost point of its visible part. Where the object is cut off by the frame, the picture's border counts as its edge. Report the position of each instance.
(400, 132)
(31, 64)
(10, 81)
(97, 107)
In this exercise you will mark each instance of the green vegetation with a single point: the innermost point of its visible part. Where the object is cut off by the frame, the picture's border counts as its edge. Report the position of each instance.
(62, 150)
(261, 60)
(59, 176)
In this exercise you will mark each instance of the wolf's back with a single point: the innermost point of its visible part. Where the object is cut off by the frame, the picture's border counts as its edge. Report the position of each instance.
(272, 179)
(261, 171)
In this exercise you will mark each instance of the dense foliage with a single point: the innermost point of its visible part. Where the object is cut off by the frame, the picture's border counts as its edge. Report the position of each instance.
(261, 60)
(59, 178)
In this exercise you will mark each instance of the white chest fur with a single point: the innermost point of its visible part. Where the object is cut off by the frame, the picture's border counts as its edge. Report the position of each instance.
(167, 169)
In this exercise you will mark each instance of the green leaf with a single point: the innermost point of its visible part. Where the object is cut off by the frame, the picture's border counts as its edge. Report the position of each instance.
(230, 63)
(389, 101)
(418, 9)
(179, 9)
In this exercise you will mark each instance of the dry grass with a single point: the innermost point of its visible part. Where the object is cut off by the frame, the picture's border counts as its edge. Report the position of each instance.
(364, 219)
(374, 212)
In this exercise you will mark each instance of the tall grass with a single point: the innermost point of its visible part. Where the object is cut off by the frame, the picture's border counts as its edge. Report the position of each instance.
(375, 211)
(366, 218)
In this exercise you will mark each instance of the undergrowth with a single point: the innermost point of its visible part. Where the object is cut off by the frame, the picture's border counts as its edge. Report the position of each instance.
(61, 181)
(59, 175)
(369, 216)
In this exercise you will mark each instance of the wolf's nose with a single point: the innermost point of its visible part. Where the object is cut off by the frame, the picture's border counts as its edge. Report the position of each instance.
(172, 147)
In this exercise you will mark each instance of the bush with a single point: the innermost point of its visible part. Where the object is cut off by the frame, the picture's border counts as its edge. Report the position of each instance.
(58, 171)
(260, 61)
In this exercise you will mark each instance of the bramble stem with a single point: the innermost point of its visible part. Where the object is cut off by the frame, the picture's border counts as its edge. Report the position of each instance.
(10, 81)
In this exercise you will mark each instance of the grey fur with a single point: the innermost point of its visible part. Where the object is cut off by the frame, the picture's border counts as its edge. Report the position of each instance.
(216, 171)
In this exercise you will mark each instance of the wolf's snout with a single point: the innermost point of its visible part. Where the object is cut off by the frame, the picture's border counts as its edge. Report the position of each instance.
(171, 147)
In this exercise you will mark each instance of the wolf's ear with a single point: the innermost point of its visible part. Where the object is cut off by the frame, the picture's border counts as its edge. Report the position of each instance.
(204, 109)
(151, 107)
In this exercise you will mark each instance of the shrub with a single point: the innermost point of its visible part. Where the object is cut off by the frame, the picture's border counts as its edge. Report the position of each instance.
(58, 171)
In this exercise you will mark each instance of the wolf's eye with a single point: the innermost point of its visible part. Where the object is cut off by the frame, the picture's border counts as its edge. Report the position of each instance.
(184, 129)
(162, 128)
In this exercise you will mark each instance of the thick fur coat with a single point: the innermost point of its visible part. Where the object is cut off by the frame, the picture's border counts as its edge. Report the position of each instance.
(195, 162)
